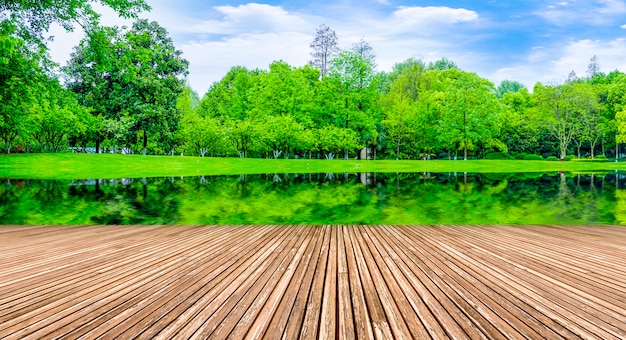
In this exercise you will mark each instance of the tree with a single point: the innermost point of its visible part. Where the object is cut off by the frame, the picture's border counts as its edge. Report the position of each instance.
(54, 117)
(405, 115)
(324, 49)
(32, 19)
(572, 77)
(203, 135)
(470, 114)
(364, 50)
(242, 135)
(138, 72)
(520, 129)
(20, 78)
(442, 65)
(593, 68)
(398, 114)
(561, 109)
(617, 100)
(508, 86)
(231, 96)
(357, 109)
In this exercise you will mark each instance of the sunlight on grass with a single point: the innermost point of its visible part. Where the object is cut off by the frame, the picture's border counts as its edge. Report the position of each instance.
(74, 166)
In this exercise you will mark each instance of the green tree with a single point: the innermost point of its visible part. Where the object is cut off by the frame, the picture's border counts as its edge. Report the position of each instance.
(32, 18)
(20, 78)
(357, 109)
(231, 96)
(203, 135)
(520, 129)
(442, 65)
(508, 86)
(470, 114)
(563, 109)
(242, 135)
(617, 101)
(138, 73)
(54, 117)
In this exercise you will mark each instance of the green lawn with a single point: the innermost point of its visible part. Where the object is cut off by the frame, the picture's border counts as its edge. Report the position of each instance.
(77, 166)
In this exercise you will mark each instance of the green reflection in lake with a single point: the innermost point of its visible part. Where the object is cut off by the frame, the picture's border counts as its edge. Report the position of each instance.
(406, 198)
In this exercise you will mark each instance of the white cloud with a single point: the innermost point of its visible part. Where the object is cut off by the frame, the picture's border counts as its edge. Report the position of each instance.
(612, 7)
(425, 16)
(211, 60)
(553, 64)
(254, 35)
(598, 12)
(251, 18)
(623, 26)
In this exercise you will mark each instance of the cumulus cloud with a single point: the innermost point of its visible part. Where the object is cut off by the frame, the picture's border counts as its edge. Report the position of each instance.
(553, 64)
(211, 60)
(425, 16)
(254, 35)
(251, 18)
(598, 12)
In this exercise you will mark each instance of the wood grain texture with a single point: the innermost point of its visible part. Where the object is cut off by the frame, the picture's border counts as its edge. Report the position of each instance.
(273, 282)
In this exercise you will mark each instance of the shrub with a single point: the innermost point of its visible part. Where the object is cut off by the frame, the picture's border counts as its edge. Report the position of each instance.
(498, 155)
(552, 158)
(532, 157)
(518, 155)
(569, 158)
(602, 157)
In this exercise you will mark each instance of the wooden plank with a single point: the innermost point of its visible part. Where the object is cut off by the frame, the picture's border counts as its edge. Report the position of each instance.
(362, 322)
(311, 323)
(291, 307)
(285, 282)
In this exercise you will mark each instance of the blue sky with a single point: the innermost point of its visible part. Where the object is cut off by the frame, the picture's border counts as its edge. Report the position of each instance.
(527, 41)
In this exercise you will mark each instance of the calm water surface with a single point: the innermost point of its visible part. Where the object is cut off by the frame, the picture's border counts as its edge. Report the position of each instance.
(375, 198)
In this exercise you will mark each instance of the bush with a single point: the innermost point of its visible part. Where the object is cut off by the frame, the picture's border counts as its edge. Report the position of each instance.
(532, 157)
(552, 158)
(498, 155)
(602, 157)
(569, 158)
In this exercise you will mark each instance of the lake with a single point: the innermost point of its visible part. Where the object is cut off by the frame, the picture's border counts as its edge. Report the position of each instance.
(367, 198)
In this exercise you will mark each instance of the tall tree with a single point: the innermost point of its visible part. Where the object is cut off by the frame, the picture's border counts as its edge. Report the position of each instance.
(363, 49)
(324, 49)
(21, 78)
(593, 68)
(471, 112)
(137, 73)
(561, 109)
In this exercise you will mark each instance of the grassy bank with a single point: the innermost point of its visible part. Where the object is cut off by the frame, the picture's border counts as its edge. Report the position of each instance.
(76, 166)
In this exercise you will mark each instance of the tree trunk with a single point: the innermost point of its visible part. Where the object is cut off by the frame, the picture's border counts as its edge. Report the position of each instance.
(465, 152)
(145, 142)
(97, 146)
(603, 147)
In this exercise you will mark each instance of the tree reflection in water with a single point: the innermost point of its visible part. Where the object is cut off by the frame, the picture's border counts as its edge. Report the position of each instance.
(364, 198)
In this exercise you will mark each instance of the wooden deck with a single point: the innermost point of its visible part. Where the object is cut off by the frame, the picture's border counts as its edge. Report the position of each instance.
(323, 282)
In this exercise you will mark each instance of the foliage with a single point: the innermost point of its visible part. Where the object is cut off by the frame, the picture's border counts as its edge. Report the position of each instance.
(134, 75)
(498, 155)
(33, 19)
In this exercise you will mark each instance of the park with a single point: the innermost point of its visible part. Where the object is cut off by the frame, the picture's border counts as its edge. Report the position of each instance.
(337, 198)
